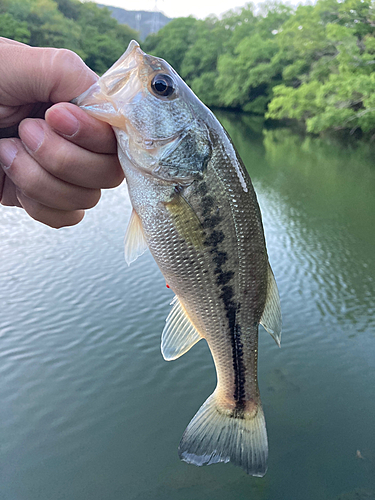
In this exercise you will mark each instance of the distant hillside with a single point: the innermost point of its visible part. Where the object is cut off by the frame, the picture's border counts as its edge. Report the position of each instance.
(139, 20)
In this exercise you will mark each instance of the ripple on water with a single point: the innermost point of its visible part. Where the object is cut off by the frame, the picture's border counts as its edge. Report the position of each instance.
(87, 398)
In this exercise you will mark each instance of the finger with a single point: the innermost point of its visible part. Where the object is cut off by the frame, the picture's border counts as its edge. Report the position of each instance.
(67, 161)
(11, 116)
(2, 181)
(49, 216)
(36, 183)
(79, 127)
(41, 75)
(10, 42)
(8, 196)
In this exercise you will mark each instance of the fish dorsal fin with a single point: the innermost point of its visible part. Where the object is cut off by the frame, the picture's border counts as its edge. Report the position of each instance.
(271, 317)
(179, 334)
(135, 242)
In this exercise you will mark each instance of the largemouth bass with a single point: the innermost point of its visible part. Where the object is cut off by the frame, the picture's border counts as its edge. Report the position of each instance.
(195, 208)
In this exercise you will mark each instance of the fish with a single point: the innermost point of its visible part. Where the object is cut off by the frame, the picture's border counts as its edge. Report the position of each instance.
(195, 208)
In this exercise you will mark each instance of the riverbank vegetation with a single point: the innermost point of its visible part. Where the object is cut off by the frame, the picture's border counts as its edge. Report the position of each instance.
(82, 27)
(312, 64)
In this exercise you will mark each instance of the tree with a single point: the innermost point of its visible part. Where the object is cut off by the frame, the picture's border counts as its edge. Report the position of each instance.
(199, 67)
(335, 72)
(173, 41)
(248, 70)
(82, 27)
(11, 28)
(103, 39)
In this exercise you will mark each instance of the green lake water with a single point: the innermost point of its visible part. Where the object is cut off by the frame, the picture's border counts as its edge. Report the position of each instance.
(90, 410)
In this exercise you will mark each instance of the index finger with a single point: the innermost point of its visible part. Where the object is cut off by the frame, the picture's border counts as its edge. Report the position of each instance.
(9, 41)
(79, 127)
(33, 74)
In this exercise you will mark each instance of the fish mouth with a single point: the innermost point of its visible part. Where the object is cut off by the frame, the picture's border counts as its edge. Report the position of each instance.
(116, 87)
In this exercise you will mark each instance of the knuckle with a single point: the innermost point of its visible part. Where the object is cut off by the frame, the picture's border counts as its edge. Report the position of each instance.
(29, 190)
(59, 222)
(60, 161)
(117, 176)
(56, 157)
(75, 76)
(52, 217)
(56, 219)
(111, 174)
(29, 186)
(68, 57)
(92, 198)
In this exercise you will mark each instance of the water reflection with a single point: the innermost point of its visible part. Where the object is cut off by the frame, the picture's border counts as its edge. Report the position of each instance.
(325, 194)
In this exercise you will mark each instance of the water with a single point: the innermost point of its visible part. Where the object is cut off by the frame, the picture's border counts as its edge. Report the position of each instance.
(90, 410)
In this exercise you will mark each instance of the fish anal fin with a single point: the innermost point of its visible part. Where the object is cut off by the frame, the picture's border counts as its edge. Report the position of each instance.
(179, 334)
(135, 242)
(271, 317)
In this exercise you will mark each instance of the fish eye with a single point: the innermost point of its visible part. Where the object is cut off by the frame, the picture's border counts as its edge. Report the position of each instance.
(163, 85)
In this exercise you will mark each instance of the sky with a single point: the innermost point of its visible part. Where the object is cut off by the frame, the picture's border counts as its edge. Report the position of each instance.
(178, 8)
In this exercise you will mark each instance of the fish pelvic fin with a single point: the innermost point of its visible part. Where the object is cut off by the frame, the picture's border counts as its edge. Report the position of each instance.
(135, 242)
(217, 435)
(271, 317)
(179, 334)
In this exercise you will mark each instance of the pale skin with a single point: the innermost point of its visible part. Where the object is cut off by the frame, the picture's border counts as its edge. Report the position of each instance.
(54, 157)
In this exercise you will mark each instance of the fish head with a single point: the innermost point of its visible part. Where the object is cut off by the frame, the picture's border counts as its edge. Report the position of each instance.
(147, 103)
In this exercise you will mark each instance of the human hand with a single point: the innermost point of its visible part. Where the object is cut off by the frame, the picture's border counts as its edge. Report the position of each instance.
(63, 157)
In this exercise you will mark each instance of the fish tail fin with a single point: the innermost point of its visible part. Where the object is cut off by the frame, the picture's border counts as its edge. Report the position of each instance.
(219, 435)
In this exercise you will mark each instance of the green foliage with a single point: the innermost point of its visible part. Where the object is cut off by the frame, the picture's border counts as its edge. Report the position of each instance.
(249, 73)
(313, 63)
(103, 39)
(83, 27)
(11, 28)
(329, 86)
(199, 67)
(69, 8)
(173, 41)
(227, 62)
(248, 70)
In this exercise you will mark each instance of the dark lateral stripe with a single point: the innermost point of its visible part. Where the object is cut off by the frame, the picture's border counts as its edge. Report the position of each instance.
(237, 348)
(214, 237)
(239, 368)
(223, 279)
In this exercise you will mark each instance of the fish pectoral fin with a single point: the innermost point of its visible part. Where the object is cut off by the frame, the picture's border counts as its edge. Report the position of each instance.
(135, 242)
(186, 221)
(179, 334)
(271, 317)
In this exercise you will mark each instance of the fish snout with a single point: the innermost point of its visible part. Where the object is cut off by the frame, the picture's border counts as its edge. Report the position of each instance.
(108, 98)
